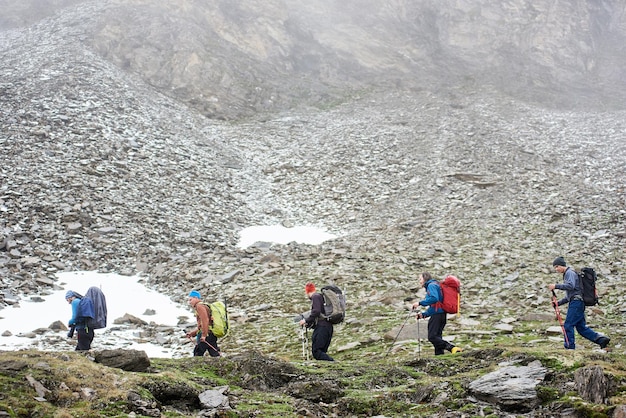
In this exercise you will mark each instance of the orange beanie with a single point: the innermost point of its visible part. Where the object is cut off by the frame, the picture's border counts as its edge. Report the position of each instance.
(309, 288)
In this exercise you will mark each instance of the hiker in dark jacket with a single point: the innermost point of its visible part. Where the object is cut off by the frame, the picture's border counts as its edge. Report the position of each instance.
(79, 323)
(205, 340)
(322, 329)
(575, 317)
(438, 317)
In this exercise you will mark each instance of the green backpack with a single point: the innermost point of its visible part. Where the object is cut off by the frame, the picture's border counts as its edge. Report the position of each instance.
(219, 319)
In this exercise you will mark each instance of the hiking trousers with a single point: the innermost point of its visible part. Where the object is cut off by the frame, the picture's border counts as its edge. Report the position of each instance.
(575, 319)
(85, 337)
(210, 345)
(322, 335)
(436, 324)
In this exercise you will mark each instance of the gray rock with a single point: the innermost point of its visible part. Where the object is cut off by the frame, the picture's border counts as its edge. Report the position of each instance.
(129, 360)
(214, 398)
(510, 387)
(592, 384)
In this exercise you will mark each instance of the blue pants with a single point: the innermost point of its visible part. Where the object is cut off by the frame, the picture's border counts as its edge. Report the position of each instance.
(576, 319)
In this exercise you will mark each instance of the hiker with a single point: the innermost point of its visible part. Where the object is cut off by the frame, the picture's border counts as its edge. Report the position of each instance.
(438, 317)
(322, 329)
(79, 322)
(205, 340)
(575, 317)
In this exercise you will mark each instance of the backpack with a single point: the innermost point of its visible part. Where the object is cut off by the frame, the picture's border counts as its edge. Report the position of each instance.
(451, 291)
(334, 304)
(99, 307)
(85, 312)
(219, 324)
(588, 277)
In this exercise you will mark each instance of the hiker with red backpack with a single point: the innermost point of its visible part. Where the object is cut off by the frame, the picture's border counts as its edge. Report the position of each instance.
(575, 317)
(436, 314)
(205, 340)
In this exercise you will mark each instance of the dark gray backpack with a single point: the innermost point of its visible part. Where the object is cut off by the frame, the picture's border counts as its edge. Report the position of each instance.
(99, 319)
(334, 304)
(587, 277)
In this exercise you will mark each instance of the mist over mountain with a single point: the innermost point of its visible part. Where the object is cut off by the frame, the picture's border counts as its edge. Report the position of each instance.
(236, 58)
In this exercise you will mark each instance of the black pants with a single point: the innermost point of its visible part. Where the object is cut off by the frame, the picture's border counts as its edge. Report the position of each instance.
(85, 337)
(436, 324)
(321, 341)
(210, 345)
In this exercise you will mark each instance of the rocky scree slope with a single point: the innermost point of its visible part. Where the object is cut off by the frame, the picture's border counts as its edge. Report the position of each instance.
(101, 170)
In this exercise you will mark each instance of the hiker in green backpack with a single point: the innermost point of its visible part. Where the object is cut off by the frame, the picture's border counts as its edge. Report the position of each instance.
(438, 317)
(322, 329)
(205, 340)
(575, 317)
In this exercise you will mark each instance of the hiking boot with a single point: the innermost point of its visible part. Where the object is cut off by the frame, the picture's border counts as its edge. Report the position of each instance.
(456, 350)
(603, 341)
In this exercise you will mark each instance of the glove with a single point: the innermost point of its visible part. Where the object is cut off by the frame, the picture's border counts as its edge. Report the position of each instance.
(419, 316)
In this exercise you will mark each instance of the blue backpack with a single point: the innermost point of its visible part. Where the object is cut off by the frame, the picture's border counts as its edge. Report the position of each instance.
(85, 311)
(95, 305)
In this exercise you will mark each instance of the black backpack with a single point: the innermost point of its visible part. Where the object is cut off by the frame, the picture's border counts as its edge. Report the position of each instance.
(334, 304)
(588, 277)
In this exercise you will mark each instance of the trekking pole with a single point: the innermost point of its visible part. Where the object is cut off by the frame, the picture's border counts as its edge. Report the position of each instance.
(419, 340)
(398, 334)
(304, 336)
(303, 342)
(219, 354)
(557, 311)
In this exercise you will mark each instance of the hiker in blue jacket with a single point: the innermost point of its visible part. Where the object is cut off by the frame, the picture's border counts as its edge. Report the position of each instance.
(79, 322)
(438, 317)
(575, 317)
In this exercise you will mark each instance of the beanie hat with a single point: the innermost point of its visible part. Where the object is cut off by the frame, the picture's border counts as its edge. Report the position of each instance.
(309, 288)
(559, 261)
(69, 294)
(194, 294)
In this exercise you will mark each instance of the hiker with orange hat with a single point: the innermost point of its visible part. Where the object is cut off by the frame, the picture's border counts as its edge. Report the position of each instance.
(322, 329)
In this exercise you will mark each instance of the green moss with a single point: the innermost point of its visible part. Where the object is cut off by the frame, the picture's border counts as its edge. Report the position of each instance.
(547, 394)
(398, 386)
(267, 404)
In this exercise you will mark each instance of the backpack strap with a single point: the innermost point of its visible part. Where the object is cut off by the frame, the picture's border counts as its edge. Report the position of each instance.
(208, 311)
(439, 303)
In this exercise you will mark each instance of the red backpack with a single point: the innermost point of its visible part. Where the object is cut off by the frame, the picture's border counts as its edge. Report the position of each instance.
(451, 290)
